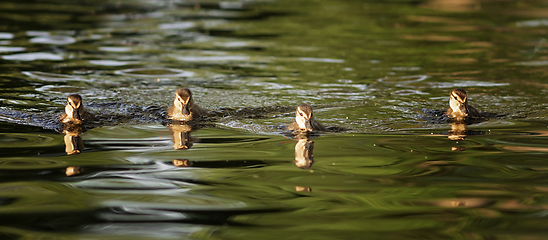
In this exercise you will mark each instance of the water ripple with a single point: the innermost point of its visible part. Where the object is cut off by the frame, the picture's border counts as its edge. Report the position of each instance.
(12, 49)
(160, 230)
(111, 63)
(51, 77)
(125, 213)
(115, 49)
(177, 25)
(466, 84)
(212, 58)
(402, 81)
(29, 164)
(4, 35)
(533, 23)
(54, 40)
(325, 60)
(33, 56)
(155, 72)
(534, 63)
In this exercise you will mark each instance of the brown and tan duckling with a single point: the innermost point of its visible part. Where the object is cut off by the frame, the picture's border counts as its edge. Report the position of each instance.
(184, 109)
(459, 107)
(74, 111)
(304, 120)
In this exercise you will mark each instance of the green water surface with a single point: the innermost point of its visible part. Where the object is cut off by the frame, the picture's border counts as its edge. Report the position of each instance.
(376, 72)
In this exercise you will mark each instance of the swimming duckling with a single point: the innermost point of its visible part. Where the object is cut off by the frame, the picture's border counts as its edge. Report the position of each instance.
(304, 120)
(74, 111)
(458, 106)
(184, 108)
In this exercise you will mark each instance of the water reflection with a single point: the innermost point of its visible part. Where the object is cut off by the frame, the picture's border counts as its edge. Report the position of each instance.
(73, 141)
(453, 5)
(181, 135)
(302, 189)
(457, 132)
(460, 202)
(304, 156)
(182, 163)
(73, 170)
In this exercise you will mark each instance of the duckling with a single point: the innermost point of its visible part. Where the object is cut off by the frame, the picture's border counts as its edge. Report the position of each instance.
(458, 106)
(74, 111)
(304, 120)
(184, 108)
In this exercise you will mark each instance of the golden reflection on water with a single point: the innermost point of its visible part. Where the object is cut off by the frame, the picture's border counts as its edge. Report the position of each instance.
(71, 171)
(73, 141)
(181, 135)
(304, 156)
(457, 132)
(302, 189)
(182, 163)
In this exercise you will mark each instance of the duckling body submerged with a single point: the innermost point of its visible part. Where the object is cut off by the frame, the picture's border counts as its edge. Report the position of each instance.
(74, 111)
(184, 108)
(304, 120)
(459, 109)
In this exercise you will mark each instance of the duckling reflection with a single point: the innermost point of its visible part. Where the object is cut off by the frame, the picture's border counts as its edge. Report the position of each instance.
(461, 203)
(73, 142)
(74, 111)
(184, 109)
(304, 156)
(458, 148)
(182, 163)
(71, 171)
(459, 109)
(457, 132)
(302, 189)
(181, 136)
(304, 120)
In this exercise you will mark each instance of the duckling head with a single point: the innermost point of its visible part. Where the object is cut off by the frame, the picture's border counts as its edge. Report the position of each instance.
(458, 101)
(74, 106)
(304, 116)
(183, 101)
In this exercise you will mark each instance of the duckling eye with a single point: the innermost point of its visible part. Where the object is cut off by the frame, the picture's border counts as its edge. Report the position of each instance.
(300, 113)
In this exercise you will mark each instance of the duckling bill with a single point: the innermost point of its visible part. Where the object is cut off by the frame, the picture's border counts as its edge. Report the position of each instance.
(304, 120)
(459, 109)
(74, 111)
(184, 108)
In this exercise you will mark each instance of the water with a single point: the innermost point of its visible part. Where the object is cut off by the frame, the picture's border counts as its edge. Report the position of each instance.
(378, 74)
